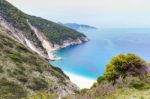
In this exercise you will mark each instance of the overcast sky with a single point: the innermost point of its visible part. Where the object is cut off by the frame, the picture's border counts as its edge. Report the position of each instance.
(99, 13)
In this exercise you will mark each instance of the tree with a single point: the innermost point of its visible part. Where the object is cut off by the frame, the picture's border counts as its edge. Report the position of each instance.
(122, 65)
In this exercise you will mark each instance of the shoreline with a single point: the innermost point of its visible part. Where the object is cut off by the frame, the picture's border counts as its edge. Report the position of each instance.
(67, 43)
(80, 81)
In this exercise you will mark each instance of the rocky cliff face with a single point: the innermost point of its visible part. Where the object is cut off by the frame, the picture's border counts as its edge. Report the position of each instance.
(40, 44)
(40, 35)
(20, 37)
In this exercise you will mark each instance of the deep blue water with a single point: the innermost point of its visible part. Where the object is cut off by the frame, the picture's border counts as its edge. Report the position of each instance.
(89, 59)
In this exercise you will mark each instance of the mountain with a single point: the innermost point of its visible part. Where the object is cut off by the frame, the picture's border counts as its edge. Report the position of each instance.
(78, 26)
(26, 46)
(40, 35)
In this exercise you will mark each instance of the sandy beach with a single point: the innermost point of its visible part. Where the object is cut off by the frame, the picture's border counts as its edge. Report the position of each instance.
(80, 81)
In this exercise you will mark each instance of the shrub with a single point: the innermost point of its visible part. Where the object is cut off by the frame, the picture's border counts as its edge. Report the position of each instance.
(136, 83)
(94, 85)
(83, 91)
(123, 65)
(15, 56)
(100, 79)
(38, 84)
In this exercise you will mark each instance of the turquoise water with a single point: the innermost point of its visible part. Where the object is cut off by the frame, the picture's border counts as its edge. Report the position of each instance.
(89, 59)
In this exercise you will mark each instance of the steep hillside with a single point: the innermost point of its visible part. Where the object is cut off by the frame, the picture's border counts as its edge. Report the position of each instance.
(127, 76)
(24, 73)
(40, 35)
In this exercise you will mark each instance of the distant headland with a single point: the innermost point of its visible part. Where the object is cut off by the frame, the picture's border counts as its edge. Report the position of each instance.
(77, 26)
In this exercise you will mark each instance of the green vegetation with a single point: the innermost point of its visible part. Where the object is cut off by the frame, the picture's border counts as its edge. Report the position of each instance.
(14, 16)
(43, 95)
(123, 65)
(126, 77)
(130, 93)
(101, 79)
(23, 71)
(11, 90)
(38, 83)
(56, 33)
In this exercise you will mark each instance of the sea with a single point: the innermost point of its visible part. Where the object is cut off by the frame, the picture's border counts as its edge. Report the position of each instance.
(89, 59)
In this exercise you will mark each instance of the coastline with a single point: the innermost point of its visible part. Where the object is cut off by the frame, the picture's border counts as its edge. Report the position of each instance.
(66, 43)
(80, 81)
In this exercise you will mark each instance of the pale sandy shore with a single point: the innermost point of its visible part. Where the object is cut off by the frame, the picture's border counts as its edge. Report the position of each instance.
(80, 81)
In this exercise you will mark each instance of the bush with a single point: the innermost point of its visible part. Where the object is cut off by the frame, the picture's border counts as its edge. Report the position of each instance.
(83, 91)
(15, 56)
(136, 83)
(123, 65)
(94, 85)
(100, 79)
(38, 84)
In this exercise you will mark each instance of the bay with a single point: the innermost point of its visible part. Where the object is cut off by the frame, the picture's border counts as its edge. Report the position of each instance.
(89, 59)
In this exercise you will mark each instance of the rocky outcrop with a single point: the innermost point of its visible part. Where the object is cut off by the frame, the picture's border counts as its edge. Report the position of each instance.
(45, 47)
(20, 37)
(45, 43)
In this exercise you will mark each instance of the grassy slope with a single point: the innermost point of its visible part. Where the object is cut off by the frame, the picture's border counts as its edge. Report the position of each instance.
(130, 93)
(135, 89)
(21, 71)
(55, 32)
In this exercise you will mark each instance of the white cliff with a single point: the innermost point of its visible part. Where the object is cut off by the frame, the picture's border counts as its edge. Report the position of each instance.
(18, 35)
(47, 50)
(45, 43)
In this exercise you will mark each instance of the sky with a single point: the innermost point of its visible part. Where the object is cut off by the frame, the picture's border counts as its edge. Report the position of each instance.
(99, 13)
